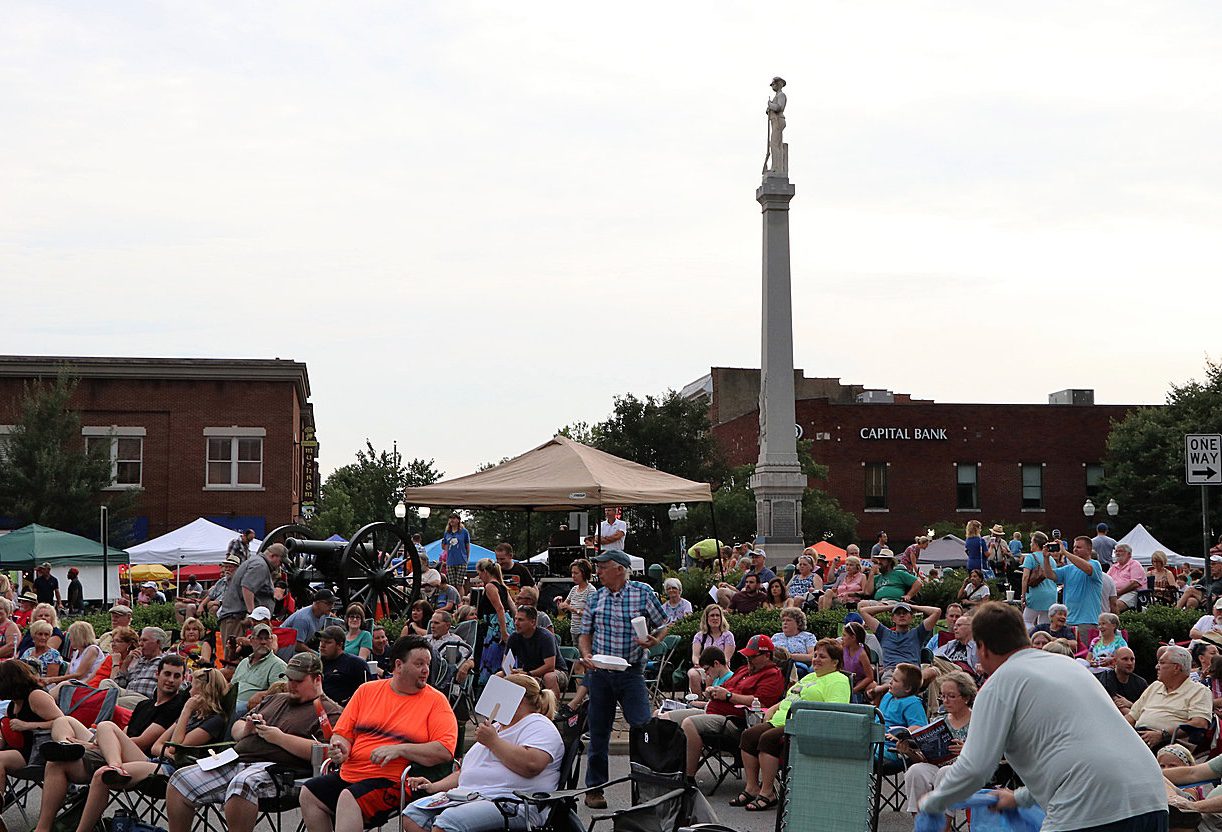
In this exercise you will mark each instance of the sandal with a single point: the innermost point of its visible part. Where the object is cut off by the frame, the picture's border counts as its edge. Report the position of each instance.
(743, 799)
(115, 776)
(762, 804)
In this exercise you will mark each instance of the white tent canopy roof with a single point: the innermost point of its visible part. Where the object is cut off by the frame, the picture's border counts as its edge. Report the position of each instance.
(1145, 544)
(638, 564)
(199, 542)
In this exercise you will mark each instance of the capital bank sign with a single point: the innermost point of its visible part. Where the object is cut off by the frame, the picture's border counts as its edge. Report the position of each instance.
(903, 433)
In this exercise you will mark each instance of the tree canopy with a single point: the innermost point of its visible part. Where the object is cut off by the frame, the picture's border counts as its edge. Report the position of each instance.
(367, 490)
(46, 474)
(1144, 466)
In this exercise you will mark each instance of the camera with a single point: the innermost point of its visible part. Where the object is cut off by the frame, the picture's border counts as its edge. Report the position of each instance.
(1053, 546)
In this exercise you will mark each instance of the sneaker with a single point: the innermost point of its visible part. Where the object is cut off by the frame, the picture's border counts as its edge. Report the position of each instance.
(595, 800)
(61, 752)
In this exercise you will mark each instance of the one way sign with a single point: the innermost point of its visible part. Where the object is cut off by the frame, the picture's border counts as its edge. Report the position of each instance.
(1203, 459)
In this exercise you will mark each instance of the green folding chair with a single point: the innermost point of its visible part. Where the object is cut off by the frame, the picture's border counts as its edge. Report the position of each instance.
(835, 751)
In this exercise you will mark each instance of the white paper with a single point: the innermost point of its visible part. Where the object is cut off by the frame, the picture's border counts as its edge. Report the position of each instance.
(500, 700)
(509, 662)
(713, 594)
(217, 760)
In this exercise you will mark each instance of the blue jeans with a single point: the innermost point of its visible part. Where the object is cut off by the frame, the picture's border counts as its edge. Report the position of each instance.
(607, 687)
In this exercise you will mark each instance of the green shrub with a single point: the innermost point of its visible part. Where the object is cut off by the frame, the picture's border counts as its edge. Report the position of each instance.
(1155, 625)
(945, 591)
(153, 615)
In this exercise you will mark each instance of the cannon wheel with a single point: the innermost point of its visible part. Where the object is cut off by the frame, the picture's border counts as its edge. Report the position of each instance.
(294, 565)
(366, 577)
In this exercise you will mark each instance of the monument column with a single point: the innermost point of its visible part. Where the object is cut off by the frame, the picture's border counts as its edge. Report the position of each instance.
(778, 482)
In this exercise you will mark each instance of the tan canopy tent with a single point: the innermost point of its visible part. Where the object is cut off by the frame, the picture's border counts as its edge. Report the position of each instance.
(561, 475)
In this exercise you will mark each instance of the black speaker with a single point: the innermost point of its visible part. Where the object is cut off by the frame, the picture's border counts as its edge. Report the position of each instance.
(560, 559)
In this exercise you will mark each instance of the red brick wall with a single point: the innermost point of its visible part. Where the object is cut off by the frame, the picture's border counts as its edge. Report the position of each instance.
(921, 476)
(174, 413)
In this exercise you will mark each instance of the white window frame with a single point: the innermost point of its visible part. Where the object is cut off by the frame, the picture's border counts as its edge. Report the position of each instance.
(234, 433)
(5, 430)
(115, 433)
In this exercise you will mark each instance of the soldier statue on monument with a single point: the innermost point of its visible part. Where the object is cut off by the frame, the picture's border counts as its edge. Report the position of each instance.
(777, 151)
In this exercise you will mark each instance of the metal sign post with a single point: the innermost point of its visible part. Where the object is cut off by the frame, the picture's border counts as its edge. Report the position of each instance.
(1203, 467)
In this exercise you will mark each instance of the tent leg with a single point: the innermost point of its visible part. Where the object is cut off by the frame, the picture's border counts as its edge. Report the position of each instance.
(716, 540)
(529, 551)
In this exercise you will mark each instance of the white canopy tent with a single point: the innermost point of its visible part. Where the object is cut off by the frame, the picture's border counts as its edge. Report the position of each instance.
(1145, 544)
(199, 542)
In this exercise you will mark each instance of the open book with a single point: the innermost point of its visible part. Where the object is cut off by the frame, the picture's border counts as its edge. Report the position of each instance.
(932, 741)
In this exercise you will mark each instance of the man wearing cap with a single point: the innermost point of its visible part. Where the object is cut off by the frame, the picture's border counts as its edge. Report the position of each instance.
(150, 594)
(387, 726)
(46, 586)
(888, 582)
(258, 671)
(250, 587)
(216, 592)
(726, 712)
(901, 642)
(309, 620)
(281, 730)
(120, 616)
(1103, 545)
(759, 568)
(606, 629)
(1207, 623)
(26, 602)
(342, 672)
(239, 547)
(76, 591)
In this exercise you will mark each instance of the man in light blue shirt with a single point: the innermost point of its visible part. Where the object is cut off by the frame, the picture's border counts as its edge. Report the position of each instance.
(308, 621)
(1082, 578)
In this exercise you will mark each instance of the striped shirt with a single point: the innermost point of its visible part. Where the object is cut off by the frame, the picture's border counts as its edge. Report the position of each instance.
(608, 617)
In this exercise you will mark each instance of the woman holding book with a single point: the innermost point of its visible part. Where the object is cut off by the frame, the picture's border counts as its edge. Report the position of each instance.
(958, 691)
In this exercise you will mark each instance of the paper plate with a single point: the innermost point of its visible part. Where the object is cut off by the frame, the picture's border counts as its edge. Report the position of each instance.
(609, 662)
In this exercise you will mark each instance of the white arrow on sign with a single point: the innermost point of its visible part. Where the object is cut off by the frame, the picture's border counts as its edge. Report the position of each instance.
(1203, 459)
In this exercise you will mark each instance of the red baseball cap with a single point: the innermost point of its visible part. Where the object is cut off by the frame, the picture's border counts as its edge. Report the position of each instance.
(756, 645)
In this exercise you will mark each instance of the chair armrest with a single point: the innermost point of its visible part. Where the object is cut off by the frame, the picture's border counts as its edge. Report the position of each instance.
(546, 798)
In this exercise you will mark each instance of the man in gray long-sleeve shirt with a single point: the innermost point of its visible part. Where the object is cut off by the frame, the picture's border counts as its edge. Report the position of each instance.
(1079, 759)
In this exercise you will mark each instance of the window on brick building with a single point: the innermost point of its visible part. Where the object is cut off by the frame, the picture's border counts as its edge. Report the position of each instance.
(876, 485)
(1033, 486)
(124, 447)
(1094, 480)
(967, 485)
(5, 430)
(235, 461)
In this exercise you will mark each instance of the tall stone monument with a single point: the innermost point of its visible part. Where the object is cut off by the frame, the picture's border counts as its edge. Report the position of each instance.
(778, 482)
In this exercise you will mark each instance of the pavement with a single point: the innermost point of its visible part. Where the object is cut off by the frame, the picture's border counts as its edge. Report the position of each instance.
(737, 819)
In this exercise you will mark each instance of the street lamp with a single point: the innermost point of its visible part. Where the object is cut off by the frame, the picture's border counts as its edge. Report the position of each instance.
(1113, 508)
(400, 510)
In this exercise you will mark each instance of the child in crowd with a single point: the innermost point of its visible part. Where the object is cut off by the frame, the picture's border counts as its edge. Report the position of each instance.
(900, 706)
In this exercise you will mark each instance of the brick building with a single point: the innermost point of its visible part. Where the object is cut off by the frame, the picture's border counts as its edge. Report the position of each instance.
(229, 440)
(900, 464)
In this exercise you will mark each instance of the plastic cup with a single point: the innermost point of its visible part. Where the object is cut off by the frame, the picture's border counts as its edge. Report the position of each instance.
(374, 670)
(640, 626)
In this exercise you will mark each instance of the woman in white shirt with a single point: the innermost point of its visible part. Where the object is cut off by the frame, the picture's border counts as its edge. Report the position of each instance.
(85, 657)
(524, 754)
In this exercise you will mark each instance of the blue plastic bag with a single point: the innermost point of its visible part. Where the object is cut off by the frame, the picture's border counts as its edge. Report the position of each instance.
(984, 819)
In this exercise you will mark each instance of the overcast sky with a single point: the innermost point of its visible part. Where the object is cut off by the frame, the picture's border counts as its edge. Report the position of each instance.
(478, 222)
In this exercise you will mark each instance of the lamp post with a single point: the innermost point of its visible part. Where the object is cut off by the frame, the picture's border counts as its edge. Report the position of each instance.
(677, 513)
(1089, 509)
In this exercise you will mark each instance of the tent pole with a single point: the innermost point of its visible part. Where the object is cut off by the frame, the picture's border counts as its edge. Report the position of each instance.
(529, 551)
(716, 542)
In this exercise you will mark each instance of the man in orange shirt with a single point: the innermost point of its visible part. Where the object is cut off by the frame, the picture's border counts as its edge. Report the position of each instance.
(386, 726)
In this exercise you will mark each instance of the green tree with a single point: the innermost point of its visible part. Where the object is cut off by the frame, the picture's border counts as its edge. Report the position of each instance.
(1144, 466)
(46, 474)
(367, 490)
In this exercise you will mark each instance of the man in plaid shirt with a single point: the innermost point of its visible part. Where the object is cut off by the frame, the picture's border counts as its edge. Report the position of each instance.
(606, 629)
(239, 547)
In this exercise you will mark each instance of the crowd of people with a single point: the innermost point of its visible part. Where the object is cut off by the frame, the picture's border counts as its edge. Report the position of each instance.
(283, 684)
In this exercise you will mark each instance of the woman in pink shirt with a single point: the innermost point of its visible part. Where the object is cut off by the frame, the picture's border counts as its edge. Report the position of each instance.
(850, 590)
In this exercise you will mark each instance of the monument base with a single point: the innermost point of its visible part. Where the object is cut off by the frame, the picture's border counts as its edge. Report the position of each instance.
(778, 511)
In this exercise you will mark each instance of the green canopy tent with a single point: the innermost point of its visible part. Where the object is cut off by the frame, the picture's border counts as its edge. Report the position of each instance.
(31, 545)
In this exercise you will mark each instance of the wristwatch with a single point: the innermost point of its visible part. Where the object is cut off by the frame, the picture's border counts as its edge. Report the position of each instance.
(729, 696)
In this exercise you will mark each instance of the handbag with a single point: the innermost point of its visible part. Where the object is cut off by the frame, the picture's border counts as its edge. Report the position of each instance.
(123, 822)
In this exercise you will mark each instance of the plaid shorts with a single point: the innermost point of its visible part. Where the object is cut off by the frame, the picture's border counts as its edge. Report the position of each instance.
(249, 781)
(456, 576)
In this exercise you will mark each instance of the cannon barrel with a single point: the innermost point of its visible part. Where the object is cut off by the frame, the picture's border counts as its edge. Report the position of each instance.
(322, 547)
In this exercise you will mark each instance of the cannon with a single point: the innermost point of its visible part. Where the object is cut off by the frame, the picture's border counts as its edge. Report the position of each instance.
(378, 568)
